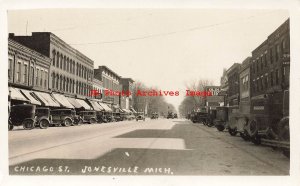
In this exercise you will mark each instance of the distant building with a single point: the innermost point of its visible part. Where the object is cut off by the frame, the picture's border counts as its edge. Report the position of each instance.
(126, 102)
(111, 81)
(233, 84)
(71, 72)
(270, 66)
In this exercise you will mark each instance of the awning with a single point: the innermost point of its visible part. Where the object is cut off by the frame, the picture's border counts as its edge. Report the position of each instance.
(95, 105)
(84, 104)
(46, 99)
(105, 107)
(17, 95)
(27, 94)
(132, 109)
(74, 102)
(62, 100)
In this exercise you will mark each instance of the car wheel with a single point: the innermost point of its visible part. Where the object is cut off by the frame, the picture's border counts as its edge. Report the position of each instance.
(245, 136)
(44, 124)
(28, 124)
(220, 128)
(92, 121)
(256, 140)
(232, 132)
(253, 128)
(67, 122)
(10, 126)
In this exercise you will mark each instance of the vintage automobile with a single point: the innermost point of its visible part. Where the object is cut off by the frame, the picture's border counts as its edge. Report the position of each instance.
(154, 115)
(221, 118)
(117, 116)
(175, 115)
(88, 116)
(140, 116)
(101, 117)
(64, 117)
(29, 116)
(170, 115)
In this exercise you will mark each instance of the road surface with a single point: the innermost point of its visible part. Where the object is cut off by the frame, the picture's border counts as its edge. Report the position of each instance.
(151, 147)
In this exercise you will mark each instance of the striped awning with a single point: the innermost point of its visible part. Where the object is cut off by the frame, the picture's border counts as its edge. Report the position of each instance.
(27, 94)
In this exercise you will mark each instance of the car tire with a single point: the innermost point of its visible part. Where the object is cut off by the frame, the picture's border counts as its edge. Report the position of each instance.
(93, 121)
(28, 124)
(44, 123)
(10, 126)
(232, 132)
(220, 127)
(67, 122)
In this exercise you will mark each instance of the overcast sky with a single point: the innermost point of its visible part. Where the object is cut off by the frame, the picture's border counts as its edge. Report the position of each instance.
(166, 48)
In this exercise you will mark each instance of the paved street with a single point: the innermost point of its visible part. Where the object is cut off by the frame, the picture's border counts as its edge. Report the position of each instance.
(153, 147)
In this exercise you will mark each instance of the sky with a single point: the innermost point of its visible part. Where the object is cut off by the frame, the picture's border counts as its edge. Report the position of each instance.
(165, 48)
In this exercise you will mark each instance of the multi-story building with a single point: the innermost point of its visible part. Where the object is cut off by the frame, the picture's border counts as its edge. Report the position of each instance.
(71, 72)
(111, 82)
(270, 63)
(244, 86)
(27, 70)
(233, 84)
(98, 89)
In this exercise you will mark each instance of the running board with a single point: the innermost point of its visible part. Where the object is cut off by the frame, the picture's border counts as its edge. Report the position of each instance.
(276, 143)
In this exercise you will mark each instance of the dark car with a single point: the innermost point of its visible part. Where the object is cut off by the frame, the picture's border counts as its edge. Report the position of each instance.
(117, 116)
(29, 116)
(154, 115)
(170, 115)
(62, 117)
(88, 116)
(175, 115)
(140, 116)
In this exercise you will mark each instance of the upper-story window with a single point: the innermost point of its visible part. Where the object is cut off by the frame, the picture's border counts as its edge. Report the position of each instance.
(41, 78)
(277, 52)
(19, 69)
(25, 73)
(10, 67)
(45, 79)
(37, 77)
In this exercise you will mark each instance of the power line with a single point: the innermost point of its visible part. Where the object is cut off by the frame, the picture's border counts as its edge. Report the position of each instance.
(170, 33)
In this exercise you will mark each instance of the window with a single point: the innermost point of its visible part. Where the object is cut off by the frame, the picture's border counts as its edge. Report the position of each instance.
(19, 72)
(277, 77)
(31, 76)
(37, 77)
(277, 52)
(262, 83)
(41, 78)
(53, 58)
(261, 63)
(283, 45)
(10, 63)
(45, 80)
(57, 60)
(266, 81)
(271, 55)
(257, 70)
(272, 78)
(53, 80)
(25, 73)
(265, 60)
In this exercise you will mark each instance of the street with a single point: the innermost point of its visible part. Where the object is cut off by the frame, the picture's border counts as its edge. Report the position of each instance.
(151, 147)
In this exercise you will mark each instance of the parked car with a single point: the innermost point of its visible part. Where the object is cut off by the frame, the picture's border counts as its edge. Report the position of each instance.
(140, 116)
(88, 116)
(62, 117)
(29, 116)
(154, 115)
(170, 115)
(175, 115)
(117, 116)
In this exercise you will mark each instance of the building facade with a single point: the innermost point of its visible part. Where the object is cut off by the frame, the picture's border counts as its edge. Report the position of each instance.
(27, 68)
(111, 81)
(270, 67)
(244, 88)
(71, 72)
(233, 84)
(126, 102)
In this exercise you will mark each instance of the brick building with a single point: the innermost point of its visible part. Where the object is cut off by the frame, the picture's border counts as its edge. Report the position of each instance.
(270, 68)
(27, 70)
(111, 81)
(71, 72)
(233, 84)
